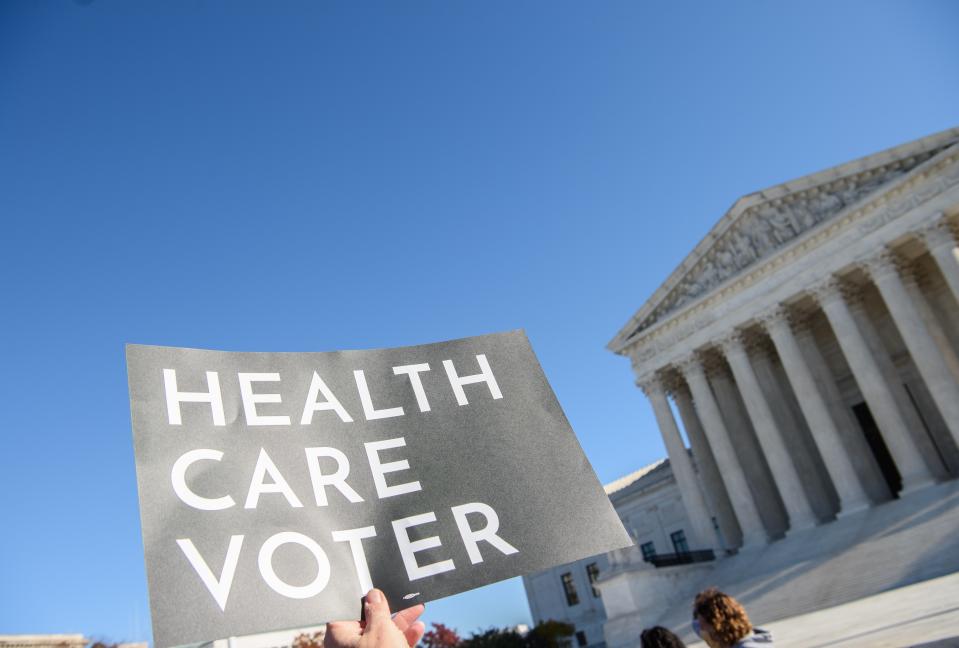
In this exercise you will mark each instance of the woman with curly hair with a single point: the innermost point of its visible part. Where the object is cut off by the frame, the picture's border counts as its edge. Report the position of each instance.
(721, 622)
(660, 637)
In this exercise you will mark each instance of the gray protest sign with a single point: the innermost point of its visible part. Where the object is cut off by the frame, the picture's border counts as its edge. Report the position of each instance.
(275, 488)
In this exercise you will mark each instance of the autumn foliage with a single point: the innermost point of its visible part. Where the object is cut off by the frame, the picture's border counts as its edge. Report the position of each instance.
(309, 640)
(440, 637)
(548, 634)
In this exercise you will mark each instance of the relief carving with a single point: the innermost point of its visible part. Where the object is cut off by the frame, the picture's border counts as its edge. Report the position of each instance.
(766, 227)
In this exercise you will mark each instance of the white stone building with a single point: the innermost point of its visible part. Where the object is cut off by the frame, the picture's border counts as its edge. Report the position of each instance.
(810, 346)
(809, 343)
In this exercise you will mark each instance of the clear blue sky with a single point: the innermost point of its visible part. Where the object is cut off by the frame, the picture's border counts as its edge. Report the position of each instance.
(324, 175)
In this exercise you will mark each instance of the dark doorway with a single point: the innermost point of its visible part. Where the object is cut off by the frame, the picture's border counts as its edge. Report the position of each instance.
(879, 449)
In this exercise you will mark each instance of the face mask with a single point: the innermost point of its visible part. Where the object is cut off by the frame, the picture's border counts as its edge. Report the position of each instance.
(696, 627)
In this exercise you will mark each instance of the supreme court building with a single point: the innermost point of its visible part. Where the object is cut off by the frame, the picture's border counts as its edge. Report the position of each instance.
(810, 344)
(807, 350)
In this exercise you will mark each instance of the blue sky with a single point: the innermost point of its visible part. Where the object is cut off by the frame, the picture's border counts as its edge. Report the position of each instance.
(316, 176)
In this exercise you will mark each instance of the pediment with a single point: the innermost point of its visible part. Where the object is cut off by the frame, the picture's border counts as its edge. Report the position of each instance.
(761, 223)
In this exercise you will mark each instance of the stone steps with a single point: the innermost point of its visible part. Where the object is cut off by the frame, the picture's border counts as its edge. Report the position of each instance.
(888, 546)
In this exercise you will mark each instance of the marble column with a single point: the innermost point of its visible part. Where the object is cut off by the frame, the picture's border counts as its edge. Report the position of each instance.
(857, 448)
(940, 381)
(878, 394)
(784, 471)
(941, 243)
(709, 475)
(825, 432)
(689, 490)
(747, 514)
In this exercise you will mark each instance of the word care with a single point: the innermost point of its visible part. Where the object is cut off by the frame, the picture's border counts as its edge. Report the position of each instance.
(277, 488)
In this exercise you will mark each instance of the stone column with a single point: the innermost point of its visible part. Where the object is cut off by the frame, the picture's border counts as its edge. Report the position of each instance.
(682, 466)
(941, 243)
(825, 432)
(857, 448)
(932, 366)
(709, 475)
(732, 473)
(784, 471)
(878, 394)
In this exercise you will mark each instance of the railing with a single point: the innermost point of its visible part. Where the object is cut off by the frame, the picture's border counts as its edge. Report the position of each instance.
(684, 558)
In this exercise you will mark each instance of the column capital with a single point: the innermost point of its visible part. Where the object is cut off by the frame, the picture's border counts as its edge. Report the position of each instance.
(671, 381)
(714, 365)
(937, 234)
(776, 317)
(945, 256)
(833, 290)
(732, 344)
(881, 265)
(651, 384)
(828, 290)
(691, 366)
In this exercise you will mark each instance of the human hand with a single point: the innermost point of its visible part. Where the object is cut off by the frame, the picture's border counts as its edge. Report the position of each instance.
(380, 630)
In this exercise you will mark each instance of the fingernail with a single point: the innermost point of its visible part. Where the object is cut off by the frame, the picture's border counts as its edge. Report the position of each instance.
(374, 596)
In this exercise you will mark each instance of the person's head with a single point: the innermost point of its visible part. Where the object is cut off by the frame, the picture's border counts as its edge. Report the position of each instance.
(722, 620)
(660, 637)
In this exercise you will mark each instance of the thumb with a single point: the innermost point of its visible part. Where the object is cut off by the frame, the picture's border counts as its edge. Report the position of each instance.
(377, 609)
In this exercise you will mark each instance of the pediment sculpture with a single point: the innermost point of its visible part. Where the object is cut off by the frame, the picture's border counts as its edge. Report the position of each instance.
(763, 228)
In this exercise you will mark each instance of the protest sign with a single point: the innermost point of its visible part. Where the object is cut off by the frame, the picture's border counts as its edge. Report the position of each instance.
(277, 488)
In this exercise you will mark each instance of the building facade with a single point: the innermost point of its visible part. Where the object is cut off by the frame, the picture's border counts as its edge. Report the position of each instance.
(649, 504)
(810, 345)
(809, 348)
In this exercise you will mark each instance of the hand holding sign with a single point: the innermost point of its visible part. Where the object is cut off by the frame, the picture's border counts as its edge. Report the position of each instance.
(380, 630)
(276, 488)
